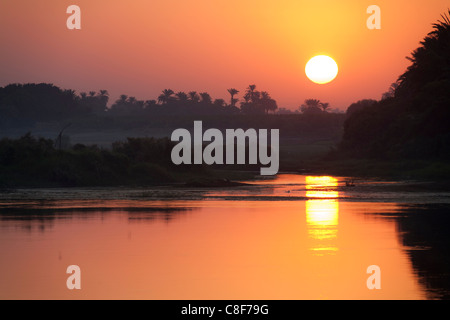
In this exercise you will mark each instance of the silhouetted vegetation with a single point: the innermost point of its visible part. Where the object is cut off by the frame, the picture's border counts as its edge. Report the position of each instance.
(256, 102)
(411, 121)
(70, 119)
(314, 106)
(360, 105)
(26, 104)
(29, 161)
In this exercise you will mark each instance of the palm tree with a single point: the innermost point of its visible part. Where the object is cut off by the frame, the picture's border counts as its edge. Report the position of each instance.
(70, 93)
(265, 100)
(123, 98)
(233, 92)
(122, 102)
(219, 103)
(206, 98)
(193, 96)
(92, 93)
(267, 103)
(182, 96)
(104, 97)
(251, 94)
(429, 62)
(165, 96)
(391, 91)
(120, 105)
(311, 106)
(312, 103)
(132, 100)
(324, 106)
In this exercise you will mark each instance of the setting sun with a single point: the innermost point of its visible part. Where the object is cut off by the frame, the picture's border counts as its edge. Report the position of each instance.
(321, 69)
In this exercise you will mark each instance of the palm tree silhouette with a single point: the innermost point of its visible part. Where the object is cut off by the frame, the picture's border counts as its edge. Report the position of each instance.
(182, 96)
(267, 103)
(104, 97)
(219, 103)
(132, 100)
(311, 106)
(206, 98)
(251, 94)
(165, 96)
(123, 98)
(391, 91)
(324, 106)
(193, 96)
(233, 92)
(70, 93)
(429, 62)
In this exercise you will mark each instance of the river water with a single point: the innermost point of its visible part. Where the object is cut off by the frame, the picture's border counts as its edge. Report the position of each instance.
(290, 237)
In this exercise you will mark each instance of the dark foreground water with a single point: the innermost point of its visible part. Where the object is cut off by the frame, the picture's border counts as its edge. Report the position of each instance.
(293, 237)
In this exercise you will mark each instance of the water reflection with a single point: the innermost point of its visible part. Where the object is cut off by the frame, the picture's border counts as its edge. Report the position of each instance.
(322, 213)
(423, 230)
(31, 217)
(246, 249)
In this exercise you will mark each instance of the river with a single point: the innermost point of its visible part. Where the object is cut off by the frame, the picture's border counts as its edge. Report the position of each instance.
(290, 237)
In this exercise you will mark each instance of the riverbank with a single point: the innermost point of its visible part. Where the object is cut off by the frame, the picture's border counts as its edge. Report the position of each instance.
(404, 169)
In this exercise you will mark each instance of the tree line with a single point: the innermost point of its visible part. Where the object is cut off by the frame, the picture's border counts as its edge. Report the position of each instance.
(31, 161)
(29, 103)
(169, 101)
(46, 102)
(411, 119)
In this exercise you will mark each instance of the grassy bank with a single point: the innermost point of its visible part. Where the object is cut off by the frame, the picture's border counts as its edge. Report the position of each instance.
(389, 169)
(33, 162)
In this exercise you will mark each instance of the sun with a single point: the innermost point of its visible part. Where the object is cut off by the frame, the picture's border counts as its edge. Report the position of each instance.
(321, 69)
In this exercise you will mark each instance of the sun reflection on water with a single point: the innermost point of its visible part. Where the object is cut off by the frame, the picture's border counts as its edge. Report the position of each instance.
(322, 212)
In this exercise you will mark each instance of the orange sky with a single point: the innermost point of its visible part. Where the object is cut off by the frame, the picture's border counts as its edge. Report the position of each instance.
(141, 47)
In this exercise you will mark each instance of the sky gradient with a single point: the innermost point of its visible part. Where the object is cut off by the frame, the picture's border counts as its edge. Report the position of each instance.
(141, 47)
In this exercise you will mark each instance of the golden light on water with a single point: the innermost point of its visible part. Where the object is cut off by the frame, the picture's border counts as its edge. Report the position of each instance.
(321, 187)
(320, 182)
(322, 213)
(322, 194)
(208, 249)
